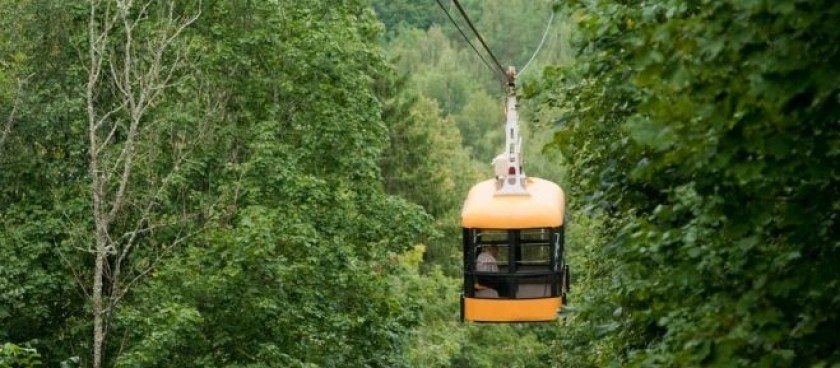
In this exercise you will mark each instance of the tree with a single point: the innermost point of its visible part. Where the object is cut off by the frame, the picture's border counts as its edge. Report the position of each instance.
(709, 147)
(135, 69)
(40, 164)
(426, 163)
(300, 273)
(397, 15)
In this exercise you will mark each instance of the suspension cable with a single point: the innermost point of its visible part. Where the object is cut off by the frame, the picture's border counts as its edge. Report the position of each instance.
(481, 39)
(465, 36)
(542, 40)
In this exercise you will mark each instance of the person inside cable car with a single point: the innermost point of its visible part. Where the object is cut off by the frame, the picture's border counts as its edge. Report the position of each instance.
(486, 262)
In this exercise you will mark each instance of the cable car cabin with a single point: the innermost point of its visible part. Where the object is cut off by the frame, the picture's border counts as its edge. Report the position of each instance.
(524, 234)
(514, 270)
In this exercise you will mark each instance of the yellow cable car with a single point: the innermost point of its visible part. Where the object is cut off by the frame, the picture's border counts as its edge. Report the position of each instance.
(513, 241)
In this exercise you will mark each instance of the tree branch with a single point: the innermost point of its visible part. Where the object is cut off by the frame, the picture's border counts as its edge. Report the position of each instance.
(69, 265)
(116, 297)
(7, 129)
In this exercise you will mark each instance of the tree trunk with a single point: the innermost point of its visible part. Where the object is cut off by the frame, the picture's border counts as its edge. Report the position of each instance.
(98, 306)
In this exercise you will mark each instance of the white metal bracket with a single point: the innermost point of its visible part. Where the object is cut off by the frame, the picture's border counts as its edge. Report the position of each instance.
(510, 178)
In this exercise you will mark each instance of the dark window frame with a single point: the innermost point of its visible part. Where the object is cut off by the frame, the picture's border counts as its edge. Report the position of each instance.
(512, 273)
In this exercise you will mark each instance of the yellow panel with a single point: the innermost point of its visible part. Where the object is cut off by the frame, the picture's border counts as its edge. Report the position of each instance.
(543, 207)
(511, 310)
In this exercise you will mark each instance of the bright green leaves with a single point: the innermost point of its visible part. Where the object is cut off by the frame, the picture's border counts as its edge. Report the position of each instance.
(314, 298)
(266, 153)
(161, 335)
(12, 355)
(297, 271)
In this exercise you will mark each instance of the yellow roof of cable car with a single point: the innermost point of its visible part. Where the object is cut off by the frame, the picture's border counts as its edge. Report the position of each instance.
(543, 207)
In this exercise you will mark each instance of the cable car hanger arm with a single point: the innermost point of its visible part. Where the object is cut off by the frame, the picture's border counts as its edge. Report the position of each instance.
(510, 178)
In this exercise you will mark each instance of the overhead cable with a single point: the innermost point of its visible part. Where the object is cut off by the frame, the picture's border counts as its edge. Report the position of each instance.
(542, 40)
(481, 39)
(465, 36)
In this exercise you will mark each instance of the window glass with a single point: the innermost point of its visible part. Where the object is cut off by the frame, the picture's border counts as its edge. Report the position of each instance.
(484, 241)
(536, 249)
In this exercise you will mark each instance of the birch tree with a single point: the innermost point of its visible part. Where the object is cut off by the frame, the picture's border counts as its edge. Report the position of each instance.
(133, 56)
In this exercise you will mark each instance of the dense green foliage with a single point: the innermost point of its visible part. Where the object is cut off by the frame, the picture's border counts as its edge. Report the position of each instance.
(397, 15)
(15, 356)
(294, 191)
(707, 135)
(265, 152)
(40, 165)
(268, 239)
(261, 232)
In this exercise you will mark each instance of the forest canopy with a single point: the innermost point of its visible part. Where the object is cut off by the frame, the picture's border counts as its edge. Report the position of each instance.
(278, 183)
(706, 136)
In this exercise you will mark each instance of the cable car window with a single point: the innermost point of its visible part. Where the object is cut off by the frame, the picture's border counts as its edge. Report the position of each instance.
(513, 263)
(536, 250)
(494, 245)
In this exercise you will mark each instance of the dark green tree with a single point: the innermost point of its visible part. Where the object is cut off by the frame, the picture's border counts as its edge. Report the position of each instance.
(42, 159)
(398, 15)
(707, 135)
